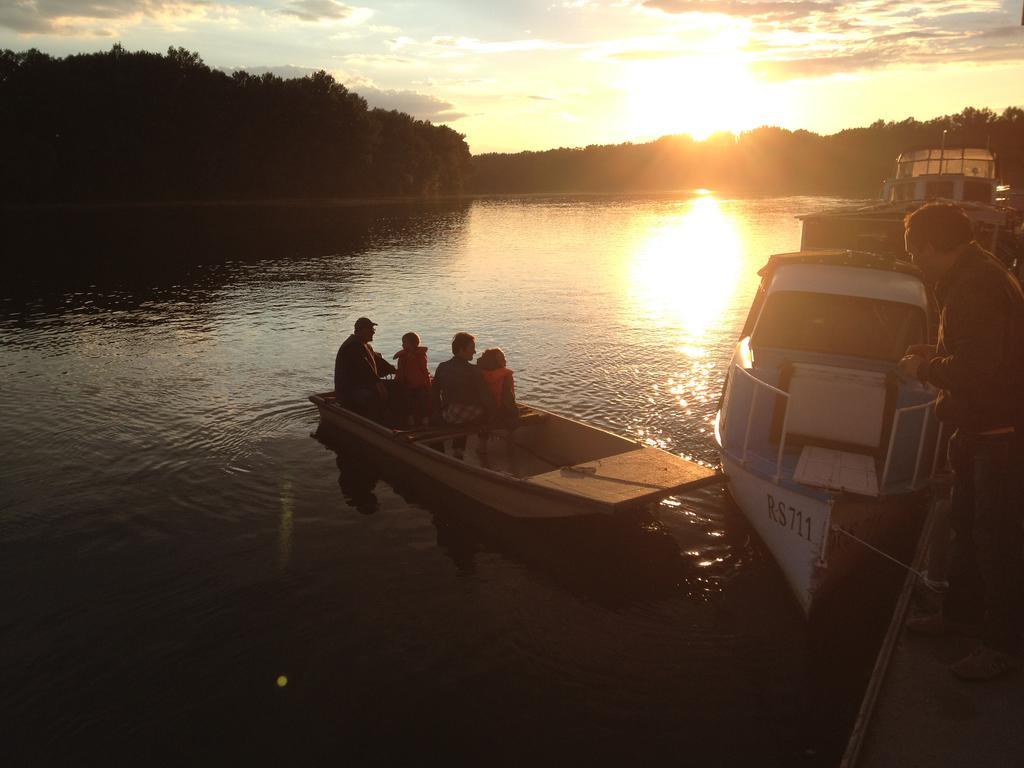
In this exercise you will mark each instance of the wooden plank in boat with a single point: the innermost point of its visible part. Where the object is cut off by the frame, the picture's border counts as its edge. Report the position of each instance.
(434, 435)
(627, 478)
(526, 416)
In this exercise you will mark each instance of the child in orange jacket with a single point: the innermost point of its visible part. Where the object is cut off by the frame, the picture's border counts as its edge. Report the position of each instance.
(414, 378)
(501, 384)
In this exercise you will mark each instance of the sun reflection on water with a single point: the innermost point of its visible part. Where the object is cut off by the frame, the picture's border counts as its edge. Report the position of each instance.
(684, 275)
(684, 279)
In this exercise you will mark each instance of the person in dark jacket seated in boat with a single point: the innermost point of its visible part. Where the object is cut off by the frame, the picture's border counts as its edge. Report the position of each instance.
(459, 394)
(358, 371)
(978, 368)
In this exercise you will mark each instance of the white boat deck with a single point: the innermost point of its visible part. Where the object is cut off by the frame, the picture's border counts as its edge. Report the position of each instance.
(837, 470)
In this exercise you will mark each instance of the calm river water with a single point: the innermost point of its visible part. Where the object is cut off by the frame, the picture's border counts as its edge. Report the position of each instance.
(190, 577)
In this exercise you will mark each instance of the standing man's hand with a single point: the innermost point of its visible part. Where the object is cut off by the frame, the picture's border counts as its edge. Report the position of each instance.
(924, 350)
(910, 365)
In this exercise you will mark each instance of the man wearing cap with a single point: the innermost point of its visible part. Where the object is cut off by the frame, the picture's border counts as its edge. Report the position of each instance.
(358, 371)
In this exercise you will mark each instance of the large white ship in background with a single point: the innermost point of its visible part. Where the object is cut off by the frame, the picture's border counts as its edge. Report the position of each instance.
(966, 175)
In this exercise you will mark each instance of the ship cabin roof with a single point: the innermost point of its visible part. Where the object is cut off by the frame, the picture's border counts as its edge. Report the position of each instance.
(847, 273)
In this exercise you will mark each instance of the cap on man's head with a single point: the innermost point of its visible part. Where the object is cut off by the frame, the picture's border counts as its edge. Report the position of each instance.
(364, 322)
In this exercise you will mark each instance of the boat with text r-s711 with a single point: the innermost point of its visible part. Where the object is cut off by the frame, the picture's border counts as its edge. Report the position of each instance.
(825, 447)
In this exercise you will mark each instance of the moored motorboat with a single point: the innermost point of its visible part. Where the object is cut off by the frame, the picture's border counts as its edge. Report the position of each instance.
(548, 466)
(825, 448)
(964, 175)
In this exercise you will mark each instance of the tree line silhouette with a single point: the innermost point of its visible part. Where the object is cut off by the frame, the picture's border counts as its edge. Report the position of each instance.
(122, 126)
(766, 160)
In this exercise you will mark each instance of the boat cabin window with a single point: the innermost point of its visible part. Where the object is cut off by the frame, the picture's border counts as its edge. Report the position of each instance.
(755, 311)
(904, 190)
(979, 191)
(849, 326)
(953, 166)
(983, 169)
(939, 189)
(951, 160)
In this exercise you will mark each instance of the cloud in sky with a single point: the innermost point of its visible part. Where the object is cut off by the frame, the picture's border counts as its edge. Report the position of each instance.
(935, 47)
(776, 10)
(110, 17)
(420, 105)
(378, 60)
(1010, 33)
(644, 55)
(319, 10)
(90, 18)
(465, 45)
(815, 38)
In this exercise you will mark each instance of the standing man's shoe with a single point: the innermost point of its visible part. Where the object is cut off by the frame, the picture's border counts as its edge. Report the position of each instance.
(984, 663)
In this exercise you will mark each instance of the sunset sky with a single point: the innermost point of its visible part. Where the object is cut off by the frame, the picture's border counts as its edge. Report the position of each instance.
(542, 73)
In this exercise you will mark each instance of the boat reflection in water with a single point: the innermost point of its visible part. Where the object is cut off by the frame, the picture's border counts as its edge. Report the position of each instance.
(684, 577)
(616, 559)
(357, 477)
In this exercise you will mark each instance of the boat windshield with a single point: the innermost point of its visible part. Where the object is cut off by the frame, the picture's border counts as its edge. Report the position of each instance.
(850, 326)
(979, 163)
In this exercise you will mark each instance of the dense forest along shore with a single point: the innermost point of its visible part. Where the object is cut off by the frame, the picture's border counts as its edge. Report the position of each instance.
(120, 126)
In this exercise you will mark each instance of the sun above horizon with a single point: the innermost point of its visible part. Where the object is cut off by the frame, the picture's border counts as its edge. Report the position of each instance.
(698, 96)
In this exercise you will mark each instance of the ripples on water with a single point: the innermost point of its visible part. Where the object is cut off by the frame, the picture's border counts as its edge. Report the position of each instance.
(173, 540)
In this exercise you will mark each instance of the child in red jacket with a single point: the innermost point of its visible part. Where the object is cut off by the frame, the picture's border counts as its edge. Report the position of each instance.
(414, 378)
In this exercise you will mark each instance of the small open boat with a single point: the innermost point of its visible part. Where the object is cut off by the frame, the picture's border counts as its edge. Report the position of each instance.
(549, 466)
(826, 448)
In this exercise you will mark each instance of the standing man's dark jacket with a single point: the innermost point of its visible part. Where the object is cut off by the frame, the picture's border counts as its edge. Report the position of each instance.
(357, 366)
(979, 360)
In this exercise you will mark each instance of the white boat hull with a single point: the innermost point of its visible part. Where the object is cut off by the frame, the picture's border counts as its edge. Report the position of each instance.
(792, 526)
(811, 538)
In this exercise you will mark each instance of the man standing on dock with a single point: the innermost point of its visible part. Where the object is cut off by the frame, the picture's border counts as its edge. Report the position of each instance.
(978, 366)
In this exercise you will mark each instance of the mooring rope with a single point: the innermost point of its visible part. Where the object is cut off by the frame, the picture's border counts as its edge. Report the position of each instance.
(920, 575)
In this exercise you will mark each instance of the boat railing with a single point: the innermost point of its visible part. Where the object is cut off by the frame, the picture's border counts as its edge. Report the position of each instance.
(927, 433)
(741, 380)
(911, 456)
